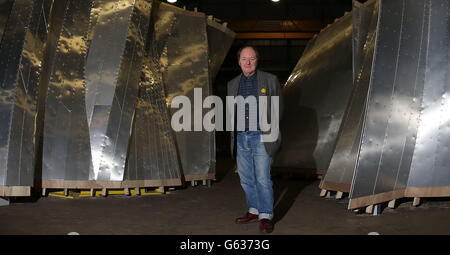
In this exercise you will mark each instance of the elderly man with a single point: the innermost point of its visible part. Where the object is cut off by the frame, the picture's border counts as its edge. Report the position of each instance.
(254, 153)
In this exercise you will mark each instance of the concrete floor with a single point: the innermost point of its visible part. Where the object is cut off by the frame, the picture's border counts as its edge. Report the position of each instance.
(201, 210)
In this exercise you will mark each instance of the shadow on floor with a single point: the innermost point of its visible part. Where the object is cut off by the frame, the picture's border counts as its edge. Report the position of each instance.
(286, 188)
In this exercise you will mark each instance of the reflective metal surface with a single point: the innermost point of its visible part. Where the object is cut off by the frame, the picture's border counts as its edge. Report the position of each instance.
(153, 153)
(21, 56)
(66, 146)
(92, 96)
(316, 95)
(342, 166)
(184, 61)
(113, 69)
(220, 39)
(430, 174)
(393, 103)
(361, 23)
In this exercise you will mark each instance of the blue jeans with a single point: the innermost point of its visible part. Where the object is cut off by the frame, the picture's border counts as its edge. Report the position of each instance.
(253, 164)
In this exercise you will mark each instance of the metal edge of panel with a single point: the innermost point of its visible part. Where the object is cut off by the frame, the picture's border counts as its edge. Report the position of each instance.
(222, 27)
(361, 16)
(377, 103)
(342, 165)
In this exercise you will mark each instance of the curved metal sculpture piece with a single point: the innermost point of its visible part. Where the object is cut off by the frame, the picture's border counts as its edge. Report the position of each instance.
(113, 70)
(404, 128)
(430, 175)
(220, 39)
(363, 24)
(153, 158)
(316, 95)
(92, 96)
(184, 59)
(339, 175)
(21, 56)
(66, 147)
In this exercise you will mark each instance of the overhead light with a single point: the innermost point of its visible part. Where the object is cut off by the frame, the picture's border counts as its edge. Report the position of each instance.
(275, 1)
(174, 1)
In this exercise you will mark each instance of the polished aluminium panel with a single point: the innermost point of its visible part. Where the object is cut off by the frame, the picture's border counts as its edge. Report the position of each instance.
(113, 71)
(21, 56)
(184, 60)
(220, 39)
(361, 20)
(342, 166)
(390, 123)
(153, 154)
(430, 175)
(66, 147)
(316, 95)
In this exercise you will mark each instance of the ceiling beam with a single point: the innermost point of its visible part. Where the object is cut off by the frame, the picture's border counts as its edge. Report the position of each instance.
(289, 25)
(277, 29)
(274, 35)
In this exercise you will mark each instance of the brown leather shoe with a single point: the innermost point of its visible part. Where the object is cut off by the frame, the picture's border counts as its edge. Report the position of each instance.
(247, 218)
(265, 226)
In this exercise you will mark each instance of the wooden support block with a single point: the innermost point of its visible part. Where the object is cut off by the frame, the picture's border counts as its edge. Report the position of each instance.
(416, 201)
(391, 204)
(66, 192)
(137, 191)
(204, 182)
(92, 192)
(195, 9)
(161, 189)
(104, 192)
(44, 192)
(126, 191)
(323, 192)
(369, 209)
(193, 183)
(225, 24)
(339, 195)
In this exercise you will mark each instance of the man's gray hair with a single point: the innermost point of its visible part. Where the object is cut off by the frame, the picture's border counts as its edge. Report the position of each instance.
(247, 46)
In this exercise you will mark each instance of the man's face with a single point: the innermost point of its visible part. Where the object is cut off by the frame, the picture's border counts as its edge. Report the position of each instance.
(248, 61)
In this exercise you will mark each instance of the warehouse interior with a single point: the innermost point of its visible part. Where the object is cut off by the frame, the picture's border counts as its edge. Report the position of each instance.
(281, 31)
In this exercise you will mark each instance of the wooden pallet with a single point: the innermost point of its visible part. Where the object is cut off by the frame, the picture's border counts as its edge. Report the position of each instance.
(327, 194)
(206, 179)
(15, 191)
(71, 193)
(108, 186)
